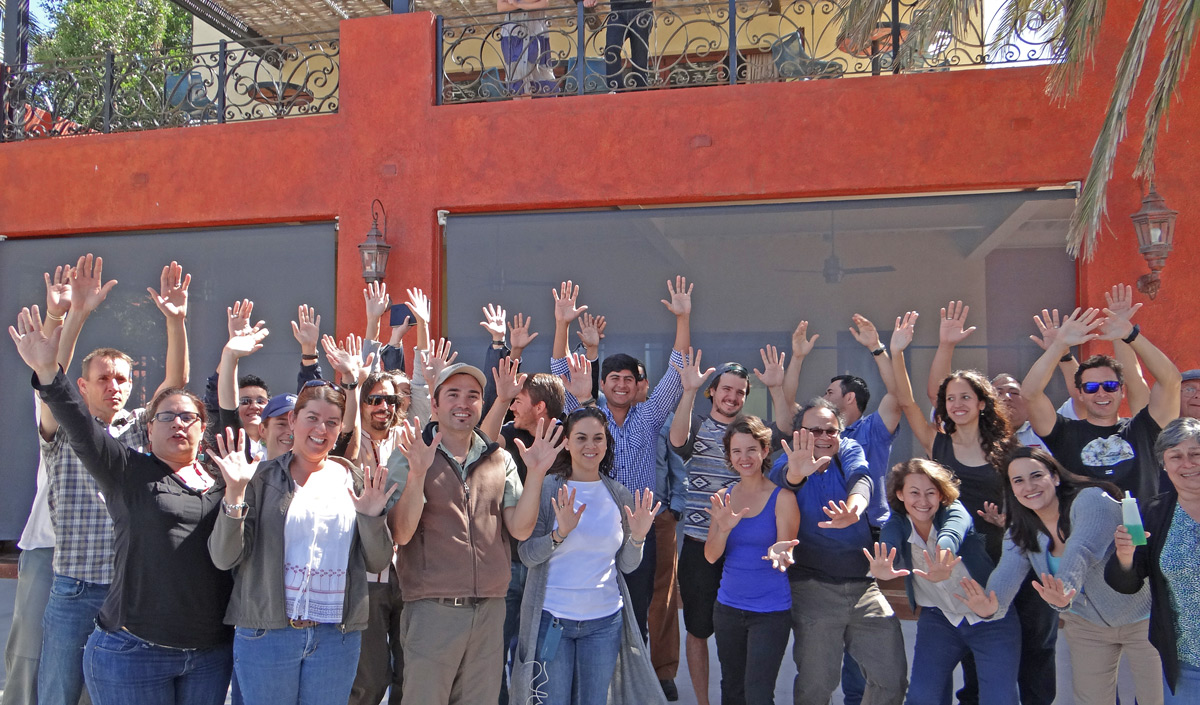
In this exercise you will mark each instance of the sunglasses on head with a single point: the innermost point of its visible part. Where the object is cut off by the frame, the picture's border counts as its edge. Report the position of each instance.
(377, 399)
(1109, 385)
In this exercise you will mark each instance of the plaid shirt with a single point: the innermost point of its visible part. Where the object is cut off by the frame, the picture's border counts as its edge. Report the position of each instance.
(635, 443)
(84, 531)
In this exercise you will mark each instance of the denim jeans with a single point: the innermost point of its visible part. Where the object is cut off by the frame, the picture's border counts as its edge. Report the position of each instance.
(69, 620)
(854, 684)
(750, 647)
(1187, 687)
(1037, 678)
(23, 651)
(584, 662)
(633, 20)
(941, 645)
(122, 669)
(512, 622)
(312, 666)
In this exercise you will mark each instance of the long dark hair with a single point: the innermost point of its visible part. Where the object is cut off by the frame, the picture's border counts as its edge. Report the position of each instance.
(1023, 524)
(562, 464)
(995, 432)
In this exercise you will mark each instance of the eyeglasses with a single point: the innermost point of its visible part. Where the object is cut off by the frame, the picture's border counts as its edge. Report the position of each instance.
(389, 399)
(187, 417)
(1189, 390)
(818, 432)
(257, 401)
(1109, 385)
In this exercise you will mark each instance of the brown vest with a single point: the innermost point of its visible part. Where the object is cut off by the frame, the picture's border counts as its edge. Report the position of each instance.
(461, 546)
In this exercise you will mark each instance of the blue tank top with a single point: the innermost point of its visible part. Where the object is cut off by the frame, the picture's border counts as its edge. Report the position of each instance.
(748, 582)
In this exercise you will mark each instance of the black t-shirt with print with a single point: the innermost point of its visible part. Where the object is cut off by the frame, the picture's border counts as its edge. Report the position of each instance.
(1122, 454)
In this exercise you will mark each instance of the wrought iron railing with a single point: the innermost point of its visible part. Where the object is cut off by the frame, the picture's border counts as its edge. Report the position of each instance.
(204, 83)
(633, 45)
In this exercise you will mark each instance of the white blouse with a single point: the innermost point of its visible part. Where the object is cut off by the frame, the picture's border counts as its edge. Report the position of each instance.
(316, 546)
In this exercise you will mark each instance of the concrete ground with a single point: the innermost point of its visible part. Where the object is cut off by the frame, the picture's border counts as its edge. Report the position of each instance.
(783, 688)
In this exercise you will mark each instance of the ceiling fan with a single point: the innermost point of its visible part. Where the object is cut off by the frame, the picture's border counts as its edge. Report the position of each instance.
(832, 269)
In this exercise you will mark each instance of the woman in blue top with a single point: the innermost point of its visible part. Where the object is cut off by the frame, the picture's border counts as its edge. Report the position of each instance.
(751, 523)
(1062, 525)
(933, 533)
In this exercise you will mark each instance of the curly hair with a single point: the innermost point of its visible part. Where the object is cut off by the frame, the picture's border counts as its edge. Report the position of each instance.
(562, 464)
(751, 426)
(995, 432)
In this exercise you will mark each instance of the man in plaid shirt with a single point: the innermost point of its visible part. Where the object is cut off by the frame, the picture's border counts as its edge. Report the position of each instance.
(83, 555)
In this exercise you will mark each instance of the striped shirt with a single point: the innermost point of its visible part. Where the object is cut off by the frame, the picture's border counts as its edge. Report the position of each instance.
(84, 531)
(636, 441)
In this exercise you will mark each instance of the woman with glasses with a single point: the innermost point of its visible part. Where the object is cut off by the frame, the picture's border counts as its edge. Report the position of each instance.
(159, 636)
(302, 530)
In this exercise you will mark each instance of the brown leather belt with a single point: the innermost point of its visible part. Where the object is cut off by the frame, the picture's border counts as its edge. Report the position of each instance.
(302, 623)
(458, 601)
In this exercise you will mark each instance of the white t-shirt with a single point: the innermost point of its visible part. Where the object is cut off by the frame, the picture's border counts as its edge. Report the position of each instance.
(39, 529)
(316, 546)
(582, 580)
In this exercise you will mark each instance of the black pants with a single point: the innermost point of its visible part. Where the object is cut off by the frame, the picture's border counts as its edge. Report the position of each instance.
(1039, 632)
(641, 585)
(750, 647)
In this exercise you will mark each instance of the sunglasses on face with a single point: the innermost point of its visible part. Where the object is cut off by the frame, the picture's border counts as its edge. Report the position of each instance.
(257, 401)
(818, 432)
(187, 417)
(377, 399)
(1109, 385)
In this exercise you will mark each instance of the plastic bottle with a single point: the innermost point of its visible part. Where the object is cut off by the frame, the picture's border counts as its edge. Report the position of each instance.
(1132, 518)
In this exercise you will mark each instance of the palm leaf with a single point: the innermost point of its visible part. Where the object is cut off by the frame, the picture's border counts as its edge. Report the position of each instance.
(1183, 20)
(1092, 206)
(859, 18)
(1081, 26)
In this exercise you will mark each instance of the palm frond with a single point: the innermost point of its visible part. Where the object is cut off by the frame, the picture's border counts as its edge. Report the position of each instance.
(859, 18)
(1081, 26)
(1091, 208)
(930, 21)
(1183, 19)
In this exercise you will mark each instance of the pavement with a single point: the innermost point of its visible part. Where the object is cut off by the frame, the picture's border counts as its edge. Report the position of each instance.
(687, 696)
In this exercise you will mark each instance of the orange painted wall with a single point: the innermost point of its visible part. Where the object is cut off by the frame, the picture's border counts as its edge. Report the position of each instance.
(955, 131)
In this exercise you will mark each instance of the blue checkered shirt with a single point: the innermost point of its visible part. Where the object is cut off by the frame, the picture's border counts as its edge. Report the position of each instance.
(83, 547)
(635, 443)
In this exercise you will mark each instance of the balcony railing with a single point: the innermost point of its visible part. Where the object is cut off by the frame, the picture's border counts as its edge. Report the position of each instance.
(201, 84)
(633, 45)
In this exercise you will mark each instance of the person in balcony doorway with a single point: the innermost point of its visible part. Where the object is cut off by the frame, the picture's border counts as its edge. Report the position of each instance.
(632, 20)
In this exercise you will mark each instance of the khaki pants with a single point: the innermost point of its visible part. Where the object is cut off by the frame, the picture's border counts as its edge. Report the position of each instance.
(452, 654)
(1096, 654)
(664, 606)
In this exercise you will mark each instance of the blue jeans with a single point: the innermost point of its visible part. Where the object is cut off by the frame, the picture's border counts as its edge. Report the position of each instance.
(1187, 687)
(854, 684)
(512, 622)
(122, 669)
(584, 662)
(750, 647)
(312, 666)
(68, 622)
(941, 645)
(633, 20)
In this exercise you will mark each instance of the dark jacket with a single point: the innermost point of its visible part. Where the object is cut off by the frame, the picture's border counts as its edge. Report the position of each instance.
(1156, 518)
(955, 532)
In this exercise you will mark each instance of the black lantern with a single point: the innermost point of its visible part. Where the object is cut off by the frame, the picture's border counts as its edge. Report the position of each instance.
(1155, 226)
(374, 250)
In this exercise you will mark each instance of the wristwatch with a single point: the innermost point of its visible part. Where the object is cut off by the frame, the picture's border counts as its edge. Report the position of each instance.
(1133, 334)
(350, 386)
(879, 351)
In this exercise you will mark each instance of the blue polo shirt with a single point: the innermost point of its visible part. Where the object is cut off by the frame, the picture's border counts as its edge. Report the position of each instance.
(876, 440)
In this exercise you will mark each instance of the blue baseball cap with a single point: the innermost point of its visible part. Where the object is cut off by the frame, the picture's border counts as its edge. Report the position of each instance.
(279, 405)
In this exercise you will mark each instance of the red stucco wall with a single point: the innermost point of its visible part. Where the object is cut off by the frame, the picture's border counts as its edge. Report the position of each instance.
(955, 131)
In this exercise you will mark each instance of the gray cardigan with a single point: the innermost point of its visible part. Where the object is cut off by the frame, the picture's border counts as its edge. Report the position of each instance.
(1094, 518)
(634, 681)
(253, 547)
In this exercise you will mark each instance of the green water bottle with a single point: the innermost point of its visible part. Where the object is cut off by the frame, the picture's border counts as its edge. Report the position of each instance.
(1132, 518)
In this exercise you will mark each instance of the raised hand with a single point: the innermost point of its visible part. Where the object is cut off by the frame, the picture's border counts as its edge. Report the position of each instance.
(1116, 325)
(591, 331)
(519, 336)
(780, 554)
(565, 511)
(690, 374)
(802, 345)
(1047, 324)
(865, 332)
(88, 289)
(840, 515)
(508, 381)
(415, 450)
(680, 293)
(722, 513)
(580, 382)
(418, 304)
(951, 330)
(230, 458)
(307, 328)
(882, 562)
(1078, 328)
(493, 321)
(237, 317)
(801, 457)
(377, 301)
(902, 335)
(1124, 545)
(38, 350)
(542, 453)
(374, 497)
(940, 566)
(436, 359)
(991, 514)
(1054, 591)
(984, 605)
(1120, 301)
(243, 342)
(772, 372)
(641, 519)
(347, 358)
(172, 295)
(565, 297)
(58, 292)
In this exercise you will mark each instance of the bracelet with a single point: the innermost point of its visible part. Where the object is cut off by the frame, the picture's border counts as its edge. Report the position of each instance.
(309, 357)
(1133, 334)
(1067, 358)
(880, 351)
(498, 344)
(635, 542)
(554, 538)
(52, 317)
(588, 402)
(229, 509)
